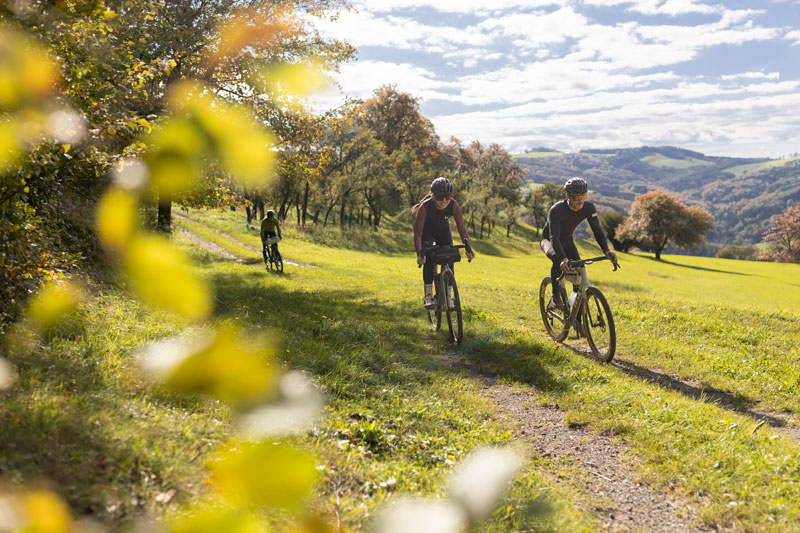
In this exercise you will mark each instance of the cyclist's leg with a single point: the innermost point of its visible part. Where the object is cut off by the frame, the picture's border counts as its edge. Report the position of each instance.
(428, 273)
(555, 268)
(264, 250)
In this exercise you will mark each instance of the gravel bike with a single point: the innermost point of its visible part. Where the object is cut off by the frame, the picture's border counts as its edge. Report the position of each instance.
(272, 257)
(586, 310)
(445, 291)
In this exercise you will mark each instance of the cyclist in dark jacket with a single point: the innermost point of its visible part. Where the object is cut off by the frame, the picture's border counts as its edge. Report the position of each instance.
(562, 219)
(432, 227)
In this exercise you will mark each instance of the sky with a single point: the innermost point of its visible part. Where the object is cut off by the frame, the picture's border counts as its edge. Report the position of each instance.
(718, 77)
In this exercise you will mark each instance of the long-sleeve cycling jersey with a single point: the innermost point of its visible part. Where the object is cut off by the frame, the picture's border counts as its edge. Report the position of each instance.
(561, 224)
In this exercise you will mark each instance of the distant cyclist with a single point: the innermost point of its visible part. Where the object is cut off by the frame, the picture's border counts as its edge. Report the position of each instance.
(432, 226)
(269, 228)
(562, 219)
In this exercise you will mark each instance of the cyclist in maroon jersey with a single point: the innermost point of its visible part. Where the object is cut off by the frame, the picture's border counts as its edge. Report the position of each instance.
(432, 226)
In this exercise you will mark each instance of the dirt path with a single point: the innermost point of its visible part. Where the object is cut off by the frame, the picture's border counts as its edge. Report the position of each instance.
(217, 249)
(621, 503)
(210, 246)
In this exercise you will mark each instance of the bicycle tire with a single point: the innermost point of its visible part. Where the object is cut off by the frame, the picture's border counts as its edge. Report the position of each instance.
(599, 325)
(435, 314)
(267, 262)
(278, 260)
(454, 319)
(556, 324)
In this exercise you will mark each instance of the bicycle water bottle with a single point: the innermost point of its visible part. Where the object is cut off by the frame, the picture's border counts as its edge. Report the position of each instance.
(572, 298)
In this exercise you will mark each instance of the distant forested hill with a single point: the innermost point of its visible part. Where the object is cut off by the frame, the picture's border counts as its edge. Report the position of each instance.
(741, 193)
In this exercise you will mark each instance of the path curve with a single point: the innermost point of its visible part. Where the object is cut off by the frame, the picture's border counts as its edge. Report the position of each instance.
(235, 241)
(623, 503)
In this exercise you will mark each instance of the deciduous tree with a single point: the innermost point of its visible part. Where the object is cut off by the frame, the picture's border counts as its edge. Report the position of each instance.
(784, 236)
(657, 218)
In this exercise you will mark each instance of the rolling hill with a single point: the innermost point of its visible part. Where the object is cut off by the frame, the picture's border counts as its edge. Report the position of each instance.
(741, 193)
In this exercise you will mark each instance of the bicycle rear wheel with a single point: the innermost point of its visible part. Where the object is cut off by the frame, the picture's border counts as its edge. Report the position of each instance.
(555, 319)
(278, 260)
(267, 262)
(599, 325)
(453, 306)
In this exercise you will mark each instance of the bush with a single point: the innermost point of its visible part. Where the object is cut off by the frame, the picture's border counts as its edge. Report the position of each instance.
(735, 251)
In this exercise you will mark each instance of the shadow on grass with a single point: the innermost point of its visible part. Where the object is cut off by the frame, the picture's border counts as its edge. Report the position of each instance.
(348, 342)
(500, 355)
(693, 267)
(727, 400)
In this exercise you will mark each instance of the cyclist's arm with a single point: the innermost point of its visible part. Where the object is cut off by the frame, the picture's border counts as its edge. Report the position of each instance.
(599, 236)
(462, 228)
(263, 232)
(419, 224)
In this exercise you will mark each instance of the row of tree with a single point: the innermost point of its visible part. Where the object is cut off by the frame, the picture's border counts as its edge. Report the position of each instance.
(378, 157)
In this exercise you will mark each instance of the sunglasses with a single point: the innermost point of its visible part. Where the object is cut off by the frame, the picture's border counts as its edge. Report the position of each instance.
(441, 197)
(577, 197)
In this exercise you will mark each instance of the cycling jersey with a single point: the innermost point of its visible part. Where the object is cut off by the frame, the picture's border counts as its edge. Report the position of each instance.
(269, 227)
(561, 224)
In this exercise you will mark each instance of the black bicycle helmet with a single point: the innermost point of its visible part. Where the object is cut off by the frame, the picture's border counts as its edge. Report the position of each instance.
(576, 185)
(442, 186)
(270, 213)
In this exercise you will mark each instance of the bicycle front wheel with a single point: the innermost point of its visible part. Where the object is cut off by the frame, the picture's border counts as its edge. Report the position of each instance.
(599, 325)
(435, 314)
(453, 303)
(555, 319)
(278, 260)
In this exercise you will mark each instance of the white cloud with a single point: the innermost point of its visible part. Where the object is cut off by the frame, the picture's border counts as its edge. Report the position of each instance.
(752, 75)
(793, 36)
(455, 6)
(658, 7)
(361, 78)
(540, 28)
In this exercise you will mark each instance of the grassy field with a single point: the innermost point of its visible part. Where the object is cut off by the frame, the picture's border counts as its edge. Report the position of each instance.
(741, 170)
(659, 160)
(706, 349)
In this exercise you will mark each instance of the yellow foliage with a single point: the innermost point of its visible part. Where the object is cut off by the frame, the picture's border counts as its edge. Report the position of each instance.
(226, 366)
(46, 513)
(53, 301)
(162, 275)
(267, 474)
(116, 218)
(215, 521)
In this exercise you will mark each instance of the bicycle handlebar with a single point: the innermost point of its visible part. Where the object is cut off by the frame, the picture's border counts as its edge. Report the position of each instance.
(575, 263)
(429, 248)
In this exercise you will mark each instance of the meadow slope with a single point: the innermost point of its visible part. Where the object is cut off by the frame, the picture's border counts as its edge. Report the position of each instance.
(707, 351)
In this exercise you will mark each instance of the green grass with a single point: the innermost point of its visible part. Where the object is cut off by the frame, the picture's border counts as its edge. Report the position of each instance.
(741, 170)
(662, 161)
(705, 345)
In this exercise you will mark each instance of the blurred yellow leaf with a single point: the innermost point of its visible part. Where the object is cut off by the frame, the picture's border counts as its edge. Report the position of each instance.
(249, 29)
(297, 79)
(116, 218)
(225, 365)
(268, 474)
(177, 146)
(216, 521)
(27, 74)
(248, 156)
(163, 276)
(9, 142)
(46, 513)
(53, 301)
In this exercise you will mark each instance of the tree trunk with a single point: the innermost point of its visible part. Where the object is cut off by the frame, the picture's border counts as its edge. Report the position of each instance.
(164, 214)
(261, 207)
(305, 205)
(342, 211)
(249, 214)
(508, 230)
